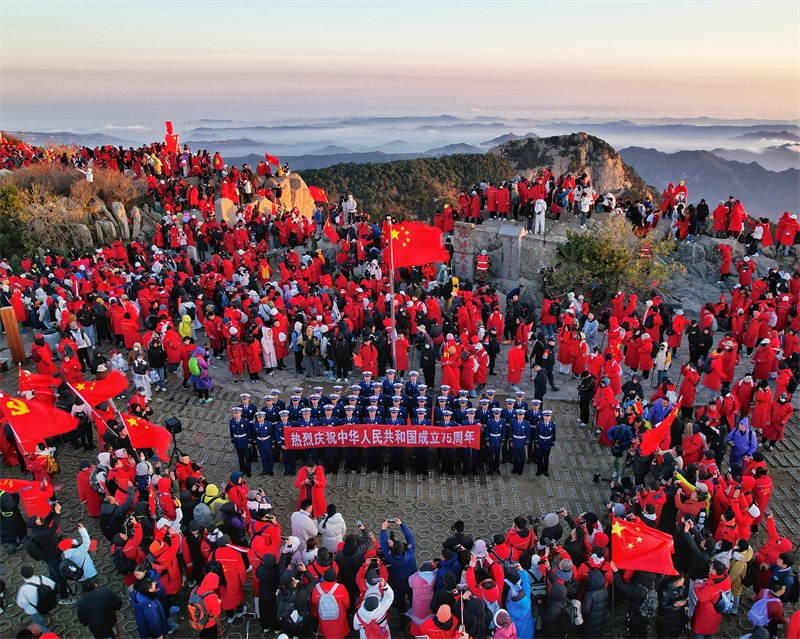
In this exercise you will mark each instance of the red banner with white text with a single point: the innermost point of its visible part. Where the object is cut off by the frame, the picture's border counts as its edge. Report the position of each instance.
(368, 435)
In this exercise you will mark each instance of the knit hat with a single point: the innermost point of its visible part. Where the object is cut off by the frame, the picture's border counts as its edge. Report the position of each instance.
(480, 548)
(223, 540)
(330, 575)
(65, 544)
(371, 603)
(754, 510)
(550, 520)
(155, 547)
(142, 469)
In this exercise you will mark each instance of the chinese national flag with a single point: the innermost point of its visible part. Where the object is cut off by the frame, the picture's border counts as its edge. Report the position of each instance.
(34, 421)
(272, 159)
(318, 194)
(636, 547)
(172, 143)
(33, 495)
(34, 382)
(331, 233)
(414, 244)
(168, 124)
(652, 438)
(94, 393)
(144, 434)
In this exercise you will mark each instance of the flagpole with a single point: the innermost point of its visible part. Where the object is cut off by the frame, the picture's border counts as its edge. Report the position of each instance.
(391, 290)
(92, 408)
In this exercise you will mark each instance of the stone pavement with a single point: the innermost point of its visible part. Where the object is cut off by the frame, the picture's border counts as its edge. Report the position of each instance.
(428, 504)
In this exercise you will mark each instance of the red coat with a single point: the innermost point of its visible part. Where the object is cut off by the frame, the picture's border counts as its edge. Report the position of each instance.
(332, 628)
(235, 577)
(208, 592)
(516, 364)
(743, 392)
(779, 414)
(87, 494)
(317, 490)
(401, 353)
(763, 362)
(761, 408)
(688, 388)
(166, 563)
(253, 356)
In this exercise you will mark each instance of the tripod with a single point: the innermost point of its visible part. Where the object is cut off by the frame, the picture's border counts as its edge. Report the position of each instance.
(176, 452)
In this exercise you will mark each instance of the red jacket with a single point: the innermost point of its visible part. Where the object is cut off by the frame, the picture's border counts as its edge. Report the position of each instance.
(235, 576)
(706, 619)
(87, 494)
(208, 592)
(317, 490)
(337, 628)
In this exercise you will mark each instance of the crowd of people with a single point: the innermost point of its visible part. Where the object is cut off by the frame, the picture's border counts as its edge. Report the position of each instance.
(205, 291)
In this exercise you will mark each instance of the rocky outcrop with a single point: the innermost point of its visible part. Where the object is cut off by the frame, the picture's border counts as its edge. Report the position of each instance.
(121, 218)
(136, 216)
(294, 193)
(576, 153)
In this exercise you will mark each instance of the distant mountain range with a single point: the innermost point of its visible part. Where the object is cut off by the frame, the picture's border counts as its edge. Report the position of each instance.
(763, 192)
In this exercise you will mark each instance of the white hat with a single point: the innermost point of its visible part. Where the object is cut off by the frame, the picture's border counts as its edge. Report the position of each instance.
(746, 258)
(754, 510)
(234, 330)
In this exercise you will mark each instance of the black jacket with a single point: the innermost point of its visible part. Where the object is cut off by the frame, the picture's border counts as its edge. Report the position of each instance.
(594, 607)
(97, 609)
(113, 516)
(670, 620)
(12, 525)
(46, 535)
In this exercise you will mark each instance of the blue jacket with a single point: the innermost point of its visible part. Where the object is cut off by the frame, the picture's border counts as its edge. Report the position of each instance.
(150, 618)
(621, 435)
(742, 443)
(405, 565)
(450, 565)
(520, 611)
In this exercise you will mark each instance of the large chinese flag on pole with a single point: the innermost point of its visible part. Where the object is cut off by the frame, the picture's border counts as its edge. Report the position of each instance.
(318, 194)
(94, 393)
(272, 159)
(330, 232)
(144, 434)
(414, 244)
(35, 382)
(652, 438)
(636, 547)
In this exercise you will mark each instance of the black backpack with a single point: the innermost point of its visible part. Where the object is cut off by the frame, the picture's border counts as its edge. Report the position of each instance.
(707, 365)
(554, 309)
(654, 349)
(793, 594)
(285, 606)
(70, 570)
(47, 599)
(123, 564)
(649, 322)
(33, 548)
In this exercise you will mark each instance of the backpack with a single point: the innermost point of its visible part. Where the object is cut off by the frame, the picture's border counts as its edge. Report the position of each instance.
(707, 365)
(33, 548)
(724, 604)
(759, 614)
(751, 572)
(51, 465)
(47, 599)
(191, 311)
(649, 604)
(311, 347)
(554, 309)
(653, 349)
(793, 594)
(70, 570)
(36, 356)
(123, 564)
(198, 613)
(194, 367)
(328, 607)
(371, 629)
(285, 607)
(217, 568)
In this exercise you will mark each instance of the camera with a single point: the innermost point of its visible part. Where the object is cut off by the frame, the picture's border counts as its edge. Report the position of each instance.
(52, 500)
(358, 523)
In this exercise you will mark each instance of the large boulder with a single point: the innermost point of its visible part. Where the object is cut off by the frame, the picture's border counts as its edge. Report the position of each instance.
(225, 210)
(136, 215)
(83, 237)
(121, 218)
(294, 193)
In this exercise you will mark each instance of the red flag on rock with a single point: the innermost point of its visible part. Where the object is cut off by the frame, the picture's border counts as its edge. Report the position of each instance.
(636, 547)
(272, 159)
(144, 434)
(414, 244)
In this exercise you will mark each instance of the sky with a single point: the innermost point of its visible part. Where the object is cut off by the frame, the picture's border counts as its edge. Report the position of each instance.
(124, 66)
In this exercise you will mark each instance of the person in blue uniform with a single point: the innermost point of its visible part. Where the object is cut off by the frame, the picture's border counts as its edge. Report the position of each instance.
(249, 415)
(444, 391)
(424, 404)
(397, 402)
(331, 452)
(366, 383)
(422, 393)
(303, 399)
(396, 452)
(411, 384)
(533, 417)
(375, 401)
(469, 455)
(338, 408)
(520, 435)
(241, 436)
(493, 401)
(352, 454)
(271, 411)
(465, 394)
(520, 401)
(276, 396)
(388, 383)
(320, 392)
(545, 440)
(439, 410)
(306, 421)
(460, 410)
(294, 408)
(287, 455)
(374, 453)
(496, 429)
(421, 452)
(353, 400)
(316, 405)
(447, 456)
(508, 415)
(262, 433)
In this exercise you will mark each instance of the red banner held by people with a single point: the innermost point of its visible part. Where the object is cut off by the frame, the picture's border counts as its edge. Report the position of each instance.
(368, 435)
(94, 393)
(33, 421)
